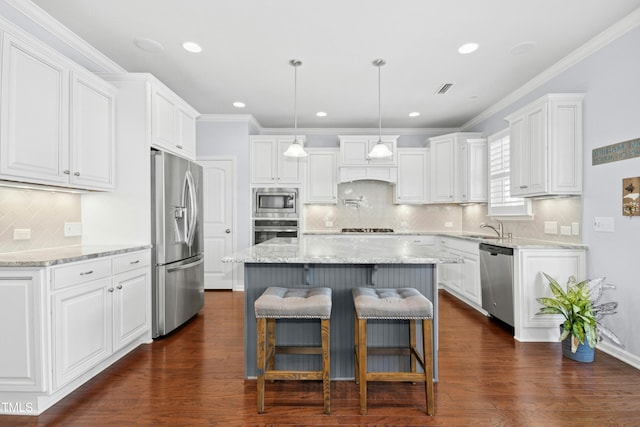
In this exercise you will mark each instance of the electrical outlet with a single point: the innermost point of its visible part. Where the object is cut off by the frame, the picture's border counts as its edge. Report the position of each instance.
(448, 224)
(328, 223)
(575, 228)
(21, 233)
(550, 227)
(72, 229)
(565, 230)
(604, 223)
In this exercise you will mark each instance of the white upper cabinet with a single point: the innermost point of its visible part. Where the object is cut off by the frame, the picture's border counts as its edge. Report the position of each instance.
(354, 150)
(458, 168)
(92, 132)
(268, 163)
(546, 147)
(173, 123)
(471, 172)
(56, 119)
(321, 179)
(411, 187)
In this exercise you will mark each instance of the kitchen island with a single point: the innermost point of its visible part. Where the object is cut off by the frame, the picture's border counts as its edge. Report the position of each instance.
(341, 264)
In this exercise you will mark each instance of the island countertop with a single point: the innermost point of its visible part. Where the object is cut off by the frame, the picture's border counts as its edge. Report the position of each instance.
(339, 250)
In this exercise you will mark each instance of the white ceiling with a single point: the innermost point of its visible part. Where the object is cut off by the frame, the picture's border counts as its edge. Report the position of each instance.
(247, 45)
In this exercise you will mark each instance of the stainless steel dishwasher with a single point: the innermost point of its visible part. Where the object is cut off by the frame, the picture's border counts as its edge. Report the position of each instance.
(496, 281)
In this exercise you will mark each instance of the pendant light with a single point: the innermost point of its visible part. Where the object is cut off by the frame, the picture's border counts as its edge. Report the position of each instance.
(379, 151)
(295, 149)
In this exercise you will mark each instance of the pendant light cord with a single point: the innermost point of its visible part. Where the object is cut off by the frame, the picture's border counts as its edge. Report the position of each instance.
(379, 105)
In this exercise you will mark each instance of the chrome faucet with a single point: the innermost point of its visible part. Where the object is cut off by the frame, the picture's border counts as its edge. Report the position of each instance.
(499, 231)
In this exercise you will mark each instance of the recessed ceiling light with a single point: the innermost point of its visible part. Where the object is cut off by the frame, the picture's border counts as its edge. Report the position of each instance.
(192, 47)
(148, 45)
(239, 104)
(321, 114)
(468, 48)
(522, 48)
(414, 114)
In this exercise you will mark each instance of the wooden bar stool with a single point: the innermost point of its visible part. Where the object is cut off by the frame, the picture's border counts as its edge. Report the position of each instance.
(394, 304)
(286, 303)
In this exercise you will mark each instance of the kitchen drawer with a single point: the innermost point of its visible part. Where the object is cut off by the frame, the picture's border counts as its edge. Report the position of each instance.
(131, 261)
(462, 245)
(78, 272)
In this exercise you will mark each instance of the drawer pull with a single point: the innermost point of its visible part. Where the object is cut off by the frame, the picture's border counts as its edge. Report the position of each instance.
(84, 273)
(135, 262)
(110, 289)
(119, 286)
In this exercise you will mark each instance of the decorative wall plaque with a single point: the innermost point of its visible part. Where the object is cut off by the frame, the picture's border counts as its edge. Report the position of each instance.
(630, 192)
(616, 152)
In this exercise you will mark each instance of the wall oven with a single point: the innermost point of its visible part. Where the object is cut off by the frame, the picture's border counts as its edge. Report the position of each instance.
(265, 229)
(275, 203)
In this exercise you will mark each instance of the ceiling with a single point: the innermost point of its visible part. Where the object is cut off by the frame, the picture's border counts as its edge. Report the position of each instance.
(247, 45)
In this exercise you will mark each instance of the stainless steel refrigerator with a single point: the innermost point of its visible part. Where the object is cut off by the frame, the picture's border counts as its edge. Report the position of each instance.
(178, 243)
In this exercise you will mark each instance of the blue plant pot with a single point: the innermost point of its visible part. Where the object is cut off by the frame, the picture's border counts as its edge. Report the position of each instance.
(584, 353)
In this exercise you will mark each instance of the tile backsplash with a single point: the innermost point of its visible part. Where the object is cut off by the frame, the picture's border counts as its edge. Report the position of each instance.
(43, 212)
(369, 204)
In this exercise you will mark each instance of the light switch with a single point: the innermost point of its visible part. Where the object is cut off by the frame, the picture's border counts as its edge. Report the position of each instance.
(575, 228)
(72, 229)
(565, 230)
(604, 223)
(550, 227)
(328, 223)
(448, 224)
(21, 233)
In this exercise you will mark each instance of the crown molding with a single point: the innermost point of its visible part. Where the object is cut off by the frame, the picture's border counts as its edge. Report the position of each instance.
(34, 15)
(601, 40)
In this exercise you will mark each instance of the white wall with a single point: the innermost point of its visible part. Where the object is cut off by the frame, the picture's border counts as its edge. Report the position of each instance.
(217, 138)
(610, 80)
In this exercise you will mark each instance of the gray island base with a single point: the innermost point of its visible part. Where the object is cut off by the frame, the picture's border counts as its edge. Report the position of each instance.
(339, 263)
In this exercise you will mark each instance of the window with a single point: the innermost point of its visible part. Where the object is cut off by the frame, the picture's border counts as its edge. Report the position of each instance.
(500, 201)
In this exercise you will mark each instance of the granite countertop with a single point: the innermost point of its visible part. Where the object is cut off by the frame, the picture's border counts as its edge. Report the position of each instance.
(61, 255)
(354, 249)
(515, 242)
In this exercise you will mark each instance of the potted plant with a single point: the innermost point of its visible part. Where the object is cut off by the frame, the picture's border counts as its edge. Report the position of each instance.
(582, 326)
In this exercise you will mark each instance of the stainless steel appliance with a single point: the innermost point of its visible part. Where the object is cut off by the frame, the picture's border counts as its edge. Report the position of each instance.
(496, 281)
(275, 203)
(265, 229)
(176, 235)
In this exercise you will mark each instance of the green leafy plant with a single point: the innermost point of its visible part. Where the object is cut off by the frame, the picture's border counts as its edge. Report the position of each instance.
(577, 308)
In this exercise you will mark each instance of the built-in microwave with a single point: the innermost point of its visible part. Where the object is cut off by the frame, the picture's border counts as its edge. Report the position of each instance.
(275, 203)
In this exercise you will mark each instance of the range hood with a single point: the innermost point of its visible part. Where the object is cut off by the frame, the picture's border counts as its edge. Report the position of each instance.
(387, 174)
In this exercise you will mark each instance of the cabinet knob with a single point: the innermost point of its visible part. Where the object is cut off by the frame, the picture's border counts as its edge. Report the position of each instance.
(77, 173)
(524, 186)
(119, 286)
(227, 231)
(66, 172)
(179, 147)
(110, 289)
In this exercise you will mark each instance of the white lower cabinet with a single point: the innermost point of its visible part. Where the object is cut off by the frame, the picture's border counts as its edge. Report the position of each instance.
(68, 323)
(462, 280)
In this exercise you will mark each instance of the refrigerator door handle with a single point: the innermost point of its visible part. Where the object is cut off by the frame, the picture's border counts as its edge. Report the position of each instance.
(185, 266)
(192, 210)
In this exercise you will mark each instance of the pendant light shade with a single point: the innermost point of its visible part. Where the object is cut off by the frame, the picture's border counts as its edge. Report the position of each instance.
(379, 151)
(295, 149)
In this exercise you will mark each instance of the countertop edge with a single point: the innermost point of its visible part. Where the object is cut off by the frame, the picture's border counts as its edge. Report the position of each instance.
(65, 254)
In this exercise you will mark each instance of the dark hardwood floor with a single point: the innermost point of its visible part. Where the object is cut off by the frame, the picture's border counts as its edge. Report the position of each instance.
(195, 377)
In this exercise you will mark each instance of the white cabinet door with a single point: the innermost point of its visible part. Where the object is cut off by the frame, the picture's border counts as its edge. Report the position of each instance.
(82, 334)
(412, 177)
(131, 299)
(354, 151)
(164, 119)
(92, 132)
(218, 220)
(186, 132)
(22, 360)
(442, 170)
(263, 167)
(288, 167)
(476, 174)
(35, 116)
(470, 283)
(321, 184)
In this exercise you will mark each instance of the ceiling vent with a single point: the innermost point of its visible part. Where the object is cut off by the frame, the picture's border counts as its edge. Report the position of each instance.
(444, 88)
